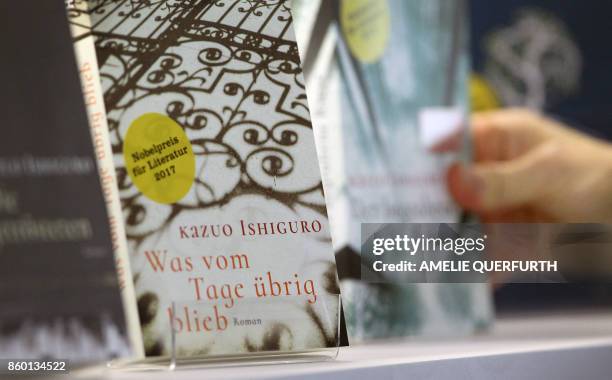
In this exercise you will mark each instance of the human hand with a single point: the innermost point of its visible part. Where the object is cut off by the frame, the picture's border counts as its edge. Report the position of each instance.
(529, 168)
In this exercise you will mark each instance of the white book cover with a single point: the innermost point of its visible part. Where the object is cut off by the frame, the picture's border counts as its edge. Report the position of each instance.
(218, 176)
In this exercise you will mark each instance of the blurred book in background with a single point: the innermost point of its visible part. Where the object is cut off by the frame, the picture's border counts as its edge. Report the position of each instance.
(58, 286)
(388, 93)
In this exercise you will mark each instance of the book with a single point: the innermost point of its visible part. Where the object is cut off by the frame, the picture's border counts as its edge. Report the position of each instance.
(58, 285)
(87, 63)
(388, 90)
(218, 176)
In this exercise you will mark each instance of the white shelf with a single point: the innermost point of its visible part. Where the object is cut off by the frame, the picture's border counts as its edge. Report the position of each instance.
(560, 347)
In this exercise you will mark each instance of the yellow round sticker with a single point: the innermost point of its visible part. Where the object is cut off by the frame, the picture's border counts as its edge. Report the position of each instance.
(366, 26)
(482, 95)
(159, 158)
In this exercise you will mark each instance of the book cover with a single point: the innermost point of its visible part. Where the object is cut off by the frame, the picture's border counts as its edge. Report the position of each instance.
(388, 92)
(87, 62)
(218, 176)
(58, 286)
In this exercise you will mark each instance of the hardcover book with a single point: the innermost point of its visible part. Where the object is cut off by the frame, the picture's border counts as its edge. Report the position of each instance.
(218, 176)
(388, 90)
(58, 286)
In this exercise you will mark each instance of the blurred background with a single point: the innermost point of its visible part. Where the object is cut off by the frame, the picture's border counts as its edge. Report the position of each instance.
(549, 56)
(376, 70)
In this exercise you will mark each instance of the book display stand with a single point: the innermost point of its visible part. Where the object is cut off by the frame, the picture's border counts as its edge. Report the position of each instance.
(187, 320)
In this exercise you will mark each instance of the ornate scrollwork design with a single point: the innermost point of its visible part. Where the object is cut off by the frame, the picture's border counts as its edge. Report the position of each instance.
(237, 91)
(181, 56)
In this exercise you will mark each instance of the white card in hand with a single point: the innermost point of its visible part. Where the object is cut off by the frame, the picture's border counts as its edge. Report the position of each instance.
(441, 128)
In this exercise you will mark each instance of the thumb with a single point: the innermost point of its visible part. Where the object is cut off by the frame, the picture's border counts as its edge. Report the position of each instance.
(490, 187)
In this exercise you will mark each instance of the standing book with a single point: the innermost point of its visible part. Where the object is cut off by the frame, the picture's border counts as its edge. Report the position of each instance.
(218, 177)
(58, 286)
(388, 90)
(87, 63)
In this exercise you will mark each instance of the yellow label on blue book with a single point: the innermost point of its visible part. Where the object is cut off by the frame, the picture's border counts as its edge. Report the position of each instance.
(366, 25)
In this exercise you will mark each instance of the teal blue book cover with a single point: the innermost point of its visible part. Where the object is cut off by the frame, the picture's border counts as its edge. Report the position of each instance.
(389, 99)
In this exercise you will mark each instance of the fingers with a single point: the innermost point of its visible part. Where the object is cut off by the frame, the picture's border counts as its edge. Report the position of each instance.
(497, 186)
(525, 214)
(506, 134)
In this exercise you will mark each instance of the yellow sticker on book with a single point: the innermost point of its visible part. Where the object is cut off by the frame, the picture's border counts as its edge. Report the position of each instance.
(159, 158)
(482, 95)
(366, 26)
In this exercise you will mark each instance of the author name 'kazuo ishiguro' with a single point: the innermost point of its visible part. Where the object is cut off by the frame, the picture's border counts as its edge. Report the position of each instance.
(245, 228)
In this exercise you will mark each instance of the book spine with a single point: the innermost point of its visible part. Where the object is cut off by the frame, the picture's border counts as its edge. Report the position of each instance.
(323, 87)
(92, 91)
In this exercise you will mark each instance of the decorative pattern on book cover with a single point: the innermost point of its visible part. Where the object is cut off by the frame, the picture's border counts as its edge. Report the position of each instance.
(218, 173)
(59, 292)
